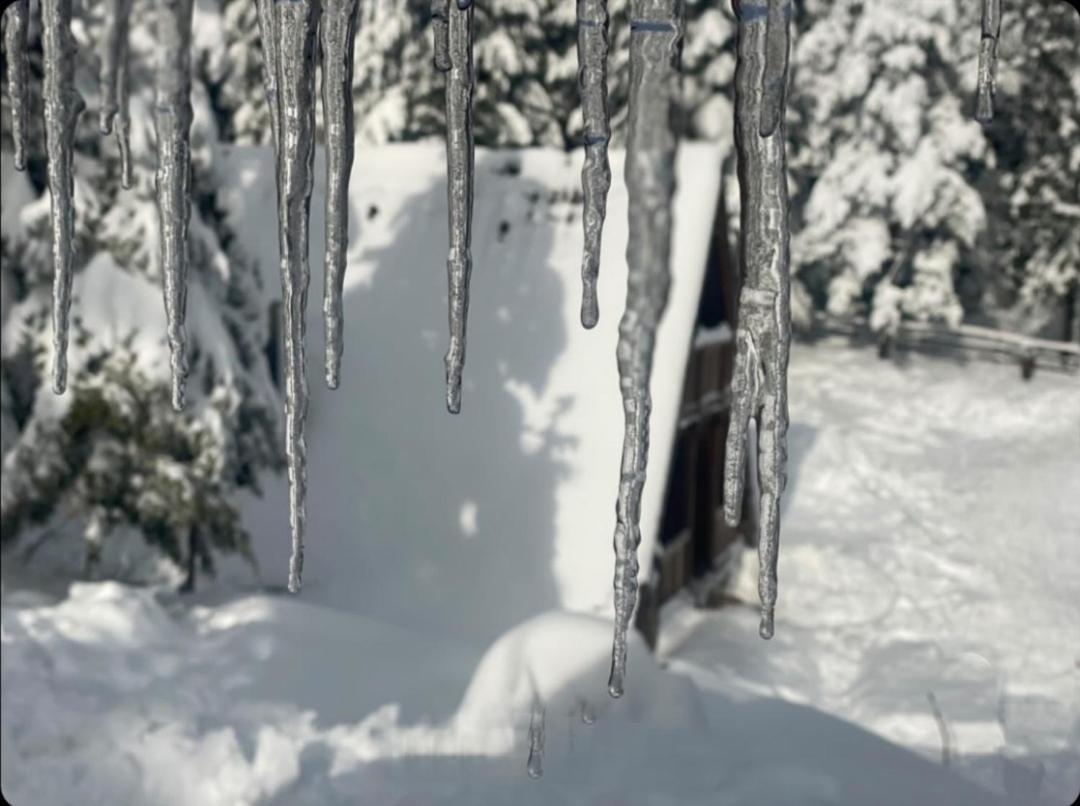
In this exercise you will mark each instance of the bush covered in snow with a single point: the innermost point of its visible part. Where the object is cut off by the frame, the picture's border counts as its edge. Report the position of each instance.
(111, 452)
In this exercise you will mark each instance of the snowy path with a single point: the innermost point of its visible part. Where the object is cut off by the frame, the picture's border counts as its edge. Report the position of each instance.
(931, 551)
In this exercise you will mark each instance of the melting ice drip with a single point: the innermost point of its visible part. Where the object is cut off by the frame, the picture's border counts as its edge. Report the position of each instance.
(763, 333)
(172, 122)
(452, 24)
(289, 31)
(656, 28)
(592, 47)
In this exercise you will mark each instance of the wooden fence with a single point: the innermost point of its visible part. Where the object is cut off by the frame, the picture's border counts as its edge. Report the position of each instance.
(974, 342)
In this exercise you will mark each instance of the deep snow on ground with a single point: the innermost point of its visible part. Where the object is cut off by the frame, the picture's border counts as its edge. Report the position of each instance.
(929, 561)
(929, 547)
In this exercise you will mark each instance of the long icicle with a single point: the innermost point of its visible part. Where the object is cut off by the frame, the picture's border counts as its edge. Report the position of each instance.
(655, 40)
(114, 79)
(296, 26)
(763, 334)
(338, 31)
(592, 46)
(63, 105)
(18, 70)
(172, 123)
(991, 29)
(459, 187)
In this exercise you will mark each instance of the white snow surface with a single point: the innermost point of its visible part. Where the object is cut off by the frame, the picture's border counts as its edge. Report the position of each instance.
(930, 546)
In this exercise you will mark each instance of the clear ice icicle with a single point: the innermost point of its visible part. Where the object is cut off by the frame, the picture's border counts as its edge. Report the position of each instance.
(592, 46)
(114, 77)
(16, 26)
(535, 765)
(63, 105)
(172, 123)
(268, 41)
(338, 31)
(295, 26)
(655, 40)
(440, 34)
(459, 187)
(763, 333)
(991, 29)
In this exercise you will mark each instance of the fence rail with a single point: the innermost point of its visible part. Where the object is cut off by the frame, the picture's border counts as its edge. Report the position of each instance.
(1027, 352)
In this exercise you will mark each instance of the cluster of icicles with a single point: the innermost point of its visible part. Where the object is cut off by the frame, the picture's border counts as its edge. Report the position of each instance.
(293, 34)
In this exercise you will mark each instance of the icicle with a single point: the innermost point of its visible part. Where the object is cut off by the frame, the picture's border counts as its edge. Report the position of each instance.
(114, 74)
(592, 44)
(63, 105)
(536, 740)
(991, 28)
(338, 31)
(587, 715)
(459, 187)
(268, 40)
(172, 123)
(655, 40)
(440, 33)
(763, 334)
(295, 25)
(15, 30)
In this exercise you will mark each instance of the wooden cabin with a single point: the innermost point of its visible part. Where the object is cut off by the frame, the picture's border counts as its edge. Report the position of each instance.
(695, 547)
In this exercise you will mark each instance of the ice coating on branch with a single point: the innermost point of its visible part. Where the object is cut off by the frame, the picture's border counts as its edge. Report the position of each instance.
(172, 123)
(592, 45)
(459, 188)
(295, 26)
(656, 35)
(535, 764)
(63, 105)
(16, 25)
(337, 29)
(440, 34)
(991, 28)
(763, 333)
(114, 76)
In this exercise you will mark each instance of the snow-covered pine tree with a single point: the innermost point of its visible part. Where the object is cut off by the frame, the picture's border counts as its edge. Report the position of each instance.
(1032, 186)
(884, 156)
(526, 73)
(111, 456)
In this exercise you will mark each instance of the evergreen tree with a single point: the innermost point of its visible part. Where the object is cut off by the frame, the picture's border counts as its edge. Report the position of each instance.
(526, 72)
(1032, 187)
(902, 205)
(884, 154)
(111, 453)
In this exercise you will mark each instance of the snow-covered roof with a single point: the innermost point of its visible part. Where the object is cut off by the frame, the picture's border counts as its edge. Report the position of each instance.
(478, 521)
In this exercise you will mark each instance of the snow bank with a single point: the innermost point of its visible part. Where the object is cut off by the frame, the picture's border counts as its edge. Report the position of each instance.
(114, 696)
(929, 558)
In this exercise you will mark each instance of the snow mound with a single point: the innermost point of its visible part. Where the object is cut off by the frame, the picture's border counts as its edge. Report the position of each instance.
(126, 698)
